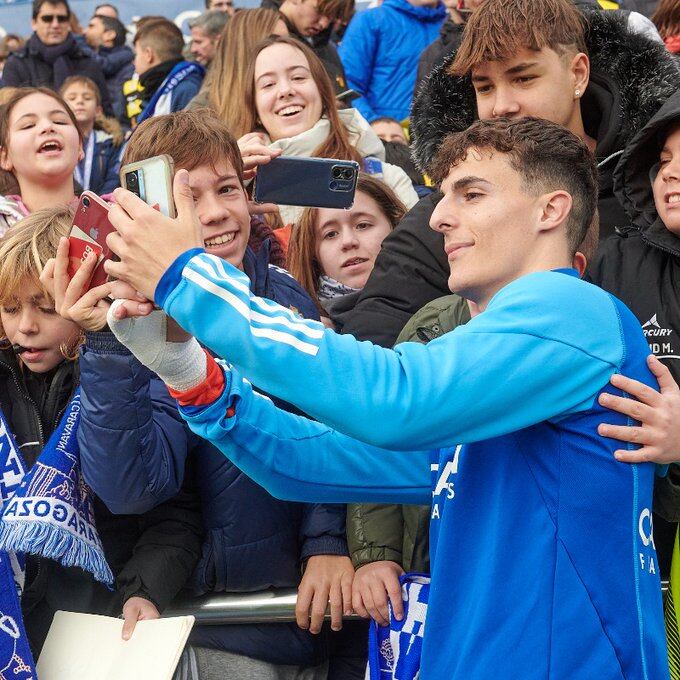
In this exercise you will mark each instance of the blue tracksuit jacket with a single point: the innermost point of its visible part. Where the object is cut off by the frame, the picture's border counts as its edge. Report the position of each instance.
(543, 562)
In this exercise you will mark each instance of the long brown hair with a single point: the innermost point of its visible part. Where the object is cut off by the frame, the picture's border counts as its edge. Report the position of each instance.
(226, 78)
(666, 17)
(337, 144)
(302, 260)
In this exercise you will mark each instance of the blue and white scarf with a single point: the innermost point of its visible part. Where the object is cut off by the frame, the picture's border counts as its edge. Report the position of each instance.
(161, 102)
(46, 511)
(394, 652)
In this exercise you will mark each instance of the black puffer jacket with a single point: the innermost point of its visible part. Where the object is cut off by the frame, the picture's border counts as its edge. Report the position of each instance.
(152, 555)
(631, 78)
(641, 266)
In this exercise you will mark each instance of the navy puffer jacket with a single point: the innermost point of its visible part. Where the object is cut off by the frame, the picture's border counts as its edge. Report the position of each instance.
(135, 456)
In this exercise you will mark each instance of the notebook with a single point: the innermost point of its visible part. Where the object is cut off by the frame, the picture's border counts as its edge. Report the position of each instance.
(90, 647)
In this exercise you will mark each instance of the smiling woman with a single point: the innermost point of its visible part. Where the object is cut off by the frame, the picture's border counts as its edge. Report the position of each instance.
(40, 144)
(290, 109)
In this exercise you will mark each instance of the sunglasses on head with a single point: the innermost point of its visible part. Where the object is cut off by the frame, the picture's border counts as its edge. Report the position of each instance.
(49, 18)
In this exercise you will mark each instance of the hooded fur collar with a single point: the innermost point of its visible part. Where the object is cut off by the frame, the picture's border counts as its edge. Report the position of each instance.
(635, 75)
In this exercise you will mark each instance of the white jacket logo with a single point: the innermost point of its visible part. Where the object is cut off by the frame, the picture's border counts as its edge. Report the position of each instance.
(659, 339)
(646, 531)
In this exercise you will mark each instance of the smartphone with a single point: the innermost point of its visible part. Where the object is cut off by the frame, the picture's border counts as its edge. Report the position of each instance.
(307, 182)
(88, 235)
(151, 180)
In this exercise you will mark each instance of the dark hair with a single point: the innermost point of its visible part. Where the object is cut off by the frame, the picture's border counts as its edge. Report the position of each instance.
(191, 138)
(162, 36)
(37, 6)
(496, 31)
(546, 155)
(111, 24)
(336, 10)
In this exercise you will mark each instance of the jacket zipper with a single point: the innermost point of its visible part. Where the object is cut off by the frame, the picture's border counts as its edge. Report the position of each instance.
(41, 430)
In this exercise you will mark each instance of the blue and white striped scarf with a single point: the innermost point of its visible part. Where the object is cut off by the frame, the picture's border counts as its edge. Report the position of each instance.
(46, 511)
(394, 651)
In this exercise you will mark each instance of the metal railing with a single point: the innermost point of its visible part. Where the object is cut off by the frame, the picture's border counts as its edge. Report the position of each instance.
(270, 606)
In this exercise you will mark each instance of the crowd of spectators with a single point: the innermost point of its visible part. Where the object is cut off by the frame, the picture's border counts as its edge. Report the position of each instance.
(385, 86)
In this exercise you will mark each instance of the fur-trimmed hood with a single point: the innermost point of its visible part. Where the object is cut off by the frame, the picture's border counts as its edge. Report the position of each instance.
(631, 77)
(632, 180)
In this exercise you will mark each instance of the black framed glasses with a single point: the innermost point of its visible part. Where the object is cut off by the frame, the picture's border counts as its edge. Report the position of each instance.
(49, 18)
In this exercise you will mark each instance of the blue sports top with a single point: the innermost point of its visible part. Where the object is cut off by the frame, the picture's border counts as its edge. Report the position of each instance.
(543, 561)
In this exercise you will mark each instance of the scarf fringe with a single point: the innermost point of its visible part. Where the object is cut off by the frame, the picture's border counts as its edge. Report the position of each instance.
(54, 542)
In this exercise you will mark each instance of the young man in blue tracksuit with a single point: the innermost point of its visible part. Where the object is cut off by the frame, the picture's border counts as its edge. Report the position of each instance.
(543, 562)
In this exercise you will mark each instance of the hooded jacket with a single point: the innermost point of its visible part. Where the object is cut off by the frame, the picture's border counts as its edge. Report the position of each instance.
(152, 555)
(631, 77)
(253, 541)
(363, 139)
(380, 52)
(641, 266)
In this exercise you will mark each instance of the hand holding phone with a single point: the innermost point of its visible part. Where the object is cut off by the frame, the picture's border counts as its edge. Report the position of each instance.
(88, 235)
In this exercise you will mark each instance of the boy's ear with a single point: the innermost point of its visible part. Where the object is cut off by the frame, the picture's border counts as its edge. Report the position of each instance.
(580, 70)
(99, 112)
(555, 208)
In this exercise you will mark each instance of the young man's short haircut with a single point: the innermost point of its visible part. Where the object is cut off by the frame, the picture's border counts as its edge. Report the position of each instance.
(190, 138)
(163, 37)
(212, 22)
(111, 24)
(547, 156)
(496, 31)
(37, 6)
(337, 10)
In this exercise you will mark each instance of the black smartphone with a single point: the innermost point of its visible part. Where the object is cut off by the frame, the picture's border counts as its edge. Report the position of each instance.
(307, 182)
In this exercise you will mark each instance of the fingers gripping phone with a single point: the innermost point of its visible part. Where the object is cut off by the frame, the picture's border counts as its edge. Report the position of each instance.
(151, 180)
(88, 235)
(307, 182)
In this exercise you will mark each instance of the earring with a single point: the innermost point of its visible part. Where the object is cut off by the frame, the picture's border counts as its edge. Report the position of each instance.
(577, 94)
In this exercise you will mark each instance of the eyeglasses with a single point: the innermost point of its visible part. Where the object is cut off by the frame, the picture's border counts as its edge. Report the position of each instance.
(49, 18)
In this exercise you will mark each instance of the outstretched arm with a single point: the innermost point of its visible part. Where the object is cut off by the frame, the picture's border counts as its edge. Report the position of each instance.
(523, 361)
(480, 381)
(297, 458)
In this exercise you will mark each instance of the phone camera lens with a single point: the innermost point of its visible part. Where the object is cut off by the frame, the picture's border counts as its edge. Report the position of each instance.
(86, 202)
(338, 172)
